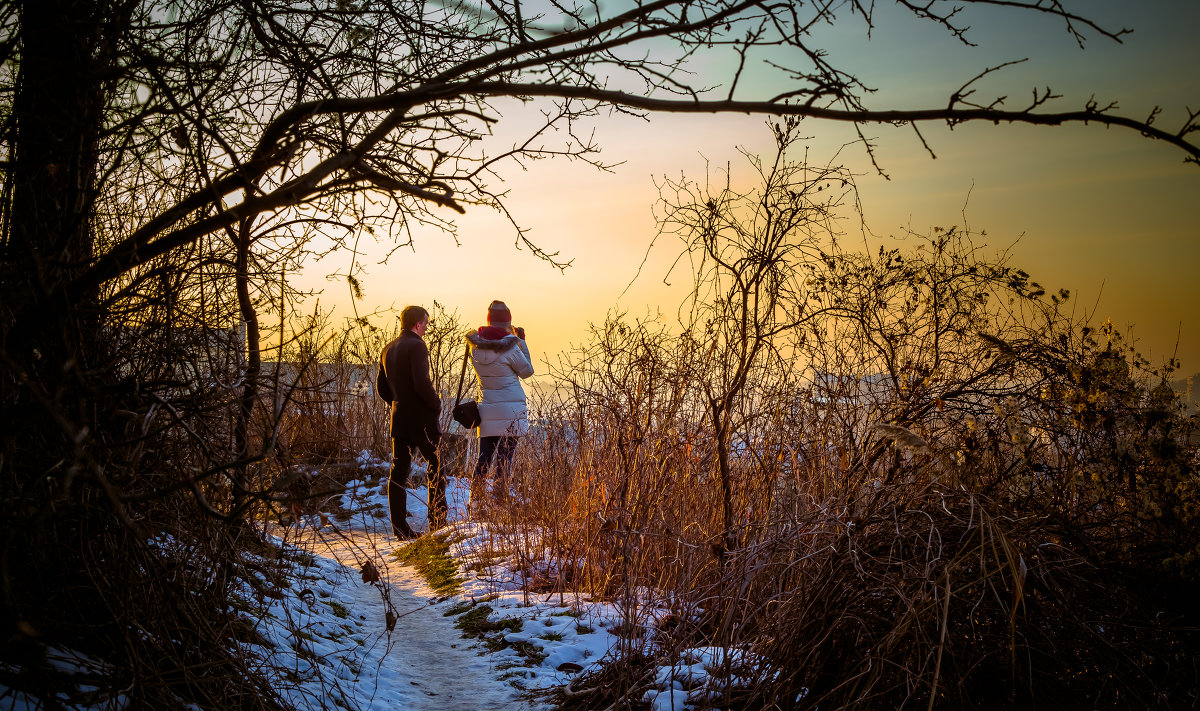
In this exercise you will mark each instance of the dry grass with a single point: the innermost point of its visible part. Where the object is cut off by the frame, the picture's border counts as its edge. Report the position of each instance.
(979, 536)
(923, 512)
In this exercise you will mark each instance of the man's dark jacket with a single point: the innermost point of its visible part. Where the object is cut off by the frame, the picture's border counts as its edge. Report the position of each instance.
(404, 382)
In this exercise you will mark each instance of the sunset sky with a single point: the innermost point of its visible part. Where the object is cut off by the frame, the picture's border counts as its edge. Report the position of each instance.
(1109, 215)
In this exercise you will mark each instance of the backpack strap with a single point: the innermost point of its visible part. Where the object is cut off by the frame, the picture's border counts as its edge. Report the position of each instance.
(462, 373)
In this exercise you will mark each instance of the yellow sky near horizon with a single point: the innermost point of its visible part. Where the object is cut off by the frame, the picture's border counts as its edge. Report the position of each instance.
(1105, 213)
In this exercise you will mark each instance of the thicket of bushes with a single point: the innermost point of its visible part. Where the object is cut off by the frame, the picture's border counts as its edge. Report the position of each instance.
(900, 479)
(963, 508)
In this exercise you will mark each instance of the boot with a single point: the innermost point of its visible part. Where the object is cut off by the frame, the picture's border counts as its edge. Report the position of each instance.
(398, 507)
(403, 532)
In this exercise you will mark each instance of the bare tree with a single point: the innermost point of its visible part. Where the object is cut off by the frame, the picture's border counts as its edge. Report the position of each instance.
(749, 252)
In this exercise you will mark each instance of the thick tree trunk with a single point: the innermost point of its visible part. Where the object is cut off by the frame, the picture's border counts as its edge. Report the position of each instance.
(48, 341)
(57, 111)
(57, 115)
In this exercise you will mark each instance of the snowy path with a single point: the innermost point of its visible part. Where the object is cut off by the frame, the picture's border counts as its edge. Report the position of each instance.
(337, 633)
(426, 664)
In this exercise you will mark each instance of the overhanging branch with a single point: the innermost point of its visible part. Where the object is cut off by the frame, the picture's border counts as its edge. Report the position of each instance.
(892, 116)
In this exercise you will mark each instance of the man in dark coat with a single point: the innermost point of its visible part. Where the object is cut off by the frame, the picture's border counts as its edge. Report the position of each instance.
(405, 384)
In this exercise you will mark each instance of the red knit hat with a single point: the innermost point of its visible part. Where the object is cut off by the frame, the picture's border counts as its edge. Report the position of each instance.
(499, 315)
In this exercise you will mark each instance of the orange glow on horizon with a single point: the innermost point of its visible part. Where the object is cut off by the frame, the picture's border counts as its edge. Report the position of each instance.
(1110, 216)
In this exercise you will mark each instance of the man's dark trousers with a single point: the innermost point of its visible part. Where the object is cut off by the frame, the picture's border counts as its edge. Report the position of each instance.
(398, 481)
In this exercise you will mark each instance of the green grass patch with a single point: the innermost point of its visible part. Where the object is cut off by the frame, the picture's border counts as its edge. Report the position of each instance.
(466, 605)
(430, 555)
(552, 637)
(530, 651)
(475, 623)
(338, 609)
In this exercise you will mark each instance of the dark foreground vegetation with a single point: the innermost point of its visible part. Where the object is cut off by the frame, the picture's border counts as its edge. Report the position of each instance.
(895, 480)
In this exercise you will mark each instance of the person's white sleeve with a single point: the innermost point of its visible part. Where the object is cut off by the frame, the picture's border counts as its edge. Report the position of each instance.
(522, 363)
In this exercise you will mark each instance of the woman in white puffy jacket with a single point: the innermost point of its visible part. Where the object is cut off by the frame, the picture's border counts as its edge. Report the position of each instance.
(500, 358)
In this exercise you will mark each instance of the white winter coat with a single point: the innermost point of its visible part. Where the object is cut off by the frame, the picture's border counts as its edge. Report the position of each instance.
(499, 366)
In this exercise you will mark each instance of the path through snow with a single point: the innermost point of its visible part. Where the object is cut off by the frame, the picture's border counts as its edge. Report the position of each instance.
(425, 664)
(429, 665)
(324, 640)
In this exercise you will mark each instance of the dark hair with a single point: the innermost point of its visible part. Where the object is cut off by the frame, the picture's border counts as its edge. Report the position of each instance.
(411, 316)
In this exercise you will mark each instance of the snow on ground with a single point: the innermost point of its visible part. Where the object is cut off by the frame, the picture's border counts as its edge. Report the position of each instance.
(561, 635)
(327, 643)
(423, 663)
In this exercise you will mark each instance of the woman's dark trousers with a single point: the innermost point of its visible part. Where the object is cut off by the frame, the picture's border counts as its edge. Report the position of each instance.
(500, 451)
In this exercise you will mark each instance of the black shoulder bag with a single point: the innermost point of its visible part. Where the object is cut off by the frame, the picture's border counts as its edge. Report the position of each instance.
(465, 413)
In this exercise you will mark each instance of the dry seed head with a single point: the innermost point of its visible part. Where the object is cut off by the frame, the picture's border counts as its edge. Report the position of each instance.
(902, 436)
(1004, 351)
